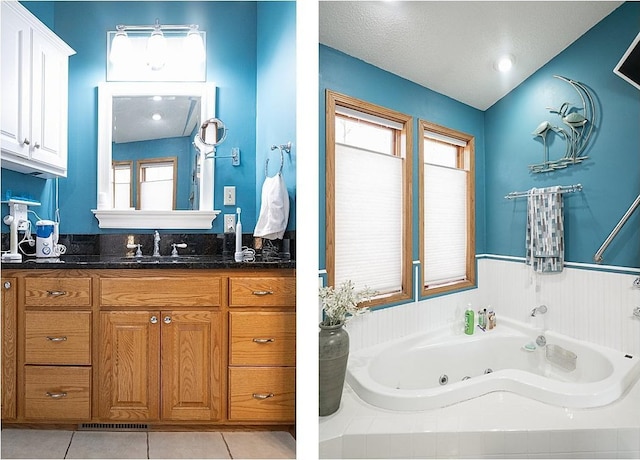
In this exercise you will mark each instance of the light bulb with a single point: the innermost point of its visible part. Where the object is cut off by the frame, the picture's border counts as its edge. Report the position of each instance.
(193, 46)
(156, 49)
(120, 47)
(504, 64)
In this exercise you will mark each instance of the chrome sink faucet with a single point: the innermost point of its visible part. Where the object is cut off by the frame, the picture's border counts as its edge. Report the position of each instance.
(542, 309)
(156, 244)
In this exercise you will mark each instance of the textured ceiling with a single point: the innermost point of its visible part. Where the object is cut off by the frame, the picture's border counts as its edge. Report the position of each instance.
(451, 46)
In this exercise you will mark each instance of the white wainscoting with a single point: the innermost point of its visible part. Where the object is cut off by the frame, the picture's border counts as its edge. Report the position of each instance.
(584, 302)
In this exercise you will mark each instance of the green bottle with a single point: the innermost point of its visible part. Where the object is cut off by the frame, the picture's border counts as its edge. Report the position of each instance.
(468, 321)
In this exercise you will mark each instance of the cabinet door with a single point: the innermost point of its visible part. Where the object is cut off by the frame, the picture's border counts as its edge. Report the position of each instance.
(129, 365)
(9, 329)
(15, 83)
(191, 360)
(49, 105)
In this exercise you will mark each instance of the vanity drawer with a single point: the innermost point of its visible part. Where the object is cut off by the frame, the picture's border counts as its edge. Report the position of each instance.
(161, 291)
(59, 292)
(262, 338)
(262, 393)
(265, 291)
(60, 337)
(57, 393)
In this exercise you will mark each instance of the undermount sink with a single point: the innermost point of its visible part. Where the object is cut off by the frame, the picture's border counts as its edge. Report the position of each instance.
(159, 259)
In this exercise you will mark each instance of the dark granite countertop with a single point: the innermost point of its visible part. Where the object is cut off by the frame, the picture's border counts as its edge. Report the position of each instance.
(146, 262)
(204, 251)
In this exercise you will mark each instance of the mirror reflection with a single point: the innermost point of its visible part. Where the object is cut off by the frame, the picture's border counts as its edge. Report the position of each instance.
(155, 164)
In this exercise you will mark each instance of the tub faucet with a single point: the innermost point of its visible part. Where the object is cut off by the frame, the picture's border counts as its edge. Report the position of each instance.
(156, 244)
(542, 309)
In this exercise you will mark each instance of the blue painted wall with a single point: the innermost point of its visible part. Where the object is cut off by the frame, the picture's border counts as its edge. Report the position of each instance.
(345, 74)
(505, 146)
(232, 64)
(611, 175)
(276, 93)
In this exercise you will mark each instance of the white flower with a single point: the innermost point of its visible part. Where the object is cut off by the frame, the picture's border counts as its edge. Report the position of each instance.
(340, 305)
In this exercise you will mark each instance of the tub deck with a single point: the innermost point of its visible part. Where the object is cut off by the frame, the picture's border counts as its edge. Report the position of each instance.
(496, 425)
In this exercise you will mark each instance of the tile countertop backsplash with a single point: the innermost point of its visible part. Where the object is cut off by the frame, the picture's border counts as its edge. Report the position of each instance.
(218, 246)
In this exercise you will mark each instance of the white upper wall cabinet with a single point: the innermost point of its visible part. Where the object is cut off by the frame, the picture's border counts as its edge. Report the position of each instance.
(35, 73)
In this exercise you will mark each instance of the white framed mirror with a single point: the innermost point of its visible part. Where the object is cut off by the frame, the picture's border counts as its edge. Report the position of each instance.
(128, 138)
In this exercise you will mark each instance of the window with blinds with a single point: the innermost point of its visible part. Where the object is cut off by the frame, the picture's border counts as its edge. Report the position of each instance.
(122, 184)
(446, 209)
(368, 212)
(157, 184)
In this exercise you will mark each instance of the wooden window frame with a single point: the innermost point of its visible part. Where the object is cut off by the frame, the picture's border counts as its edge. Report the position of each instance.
(466, 153)
(333, 100)
(146, 161)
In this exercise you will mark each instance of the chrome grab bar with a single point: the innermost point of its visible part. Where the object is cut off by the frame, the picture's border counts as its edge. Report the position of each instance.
(598, 255)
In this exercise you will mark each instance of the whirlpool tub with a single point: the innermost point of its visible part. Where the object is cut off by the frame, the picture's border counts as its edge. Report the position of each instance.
(438, 369)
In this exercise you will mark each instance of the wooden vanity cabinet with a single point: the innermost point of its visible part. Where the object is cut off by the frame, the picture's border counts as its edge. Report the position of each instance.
(160, 356)
(166, 346)
(262, 347)
(57, 347)
(9, 347)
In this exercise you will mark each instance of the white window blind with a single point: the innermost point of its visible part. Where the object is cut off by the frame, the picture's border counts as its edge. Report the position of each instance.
(156, 186)
(445, 224)
(368, 219)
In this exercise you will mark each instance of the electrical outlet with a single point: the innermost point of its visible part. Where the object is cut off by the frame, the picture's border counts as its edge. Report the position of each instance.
(20, 215)
(229, 196)
(229, 223)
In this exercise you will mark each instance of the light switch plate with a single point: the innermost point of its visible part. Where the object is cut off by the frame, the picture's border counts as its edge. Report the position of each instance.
(229, 196)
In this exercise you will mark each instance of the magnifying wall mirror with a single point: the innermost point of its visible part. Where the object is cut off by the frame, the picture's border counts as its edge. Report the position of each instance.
(150, 175)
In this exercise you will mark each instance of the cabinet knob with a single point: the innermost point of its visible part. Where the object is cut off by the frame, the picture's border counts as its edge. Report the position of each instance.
(36, 145)
(167, 320)
(153, 319)
(26, 141)
(7, 284)
(263, 395)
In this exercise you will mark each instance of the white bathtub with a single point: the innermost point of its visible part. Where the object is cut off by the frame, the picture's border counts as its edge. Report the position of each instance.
(406, 374)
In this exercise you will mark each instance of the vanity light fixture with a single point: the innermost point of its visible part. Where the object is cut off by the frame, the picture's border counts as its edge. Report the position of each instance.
(187, 44)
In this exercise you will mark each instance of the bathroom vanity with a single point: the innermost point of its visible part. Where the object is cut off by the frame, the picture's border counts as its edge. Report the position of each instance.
(111, 340)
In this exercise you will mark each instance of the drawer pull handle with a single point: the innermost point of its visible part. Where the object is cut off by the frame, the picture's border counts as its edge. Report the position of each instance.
(256, 340)
(263, 395)
(56, 293)
(262, 293)
(62, 394)
(57, 339)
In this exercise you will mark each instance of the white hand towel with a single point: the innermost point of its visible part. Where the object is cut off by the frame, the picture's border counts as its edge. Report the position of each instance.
(274, 209)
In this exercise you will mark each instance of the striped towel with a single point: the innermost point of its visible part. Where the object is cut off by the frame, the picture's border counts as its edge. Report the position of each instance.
(545, 230)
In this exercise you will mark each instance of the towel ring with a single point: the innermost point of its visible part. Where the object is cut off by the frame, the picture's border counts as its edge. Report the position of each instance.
(283, 148)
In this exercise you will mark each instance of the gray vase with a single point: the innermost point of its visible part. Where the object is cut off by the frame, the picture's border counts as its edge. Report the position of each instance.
(334, 353)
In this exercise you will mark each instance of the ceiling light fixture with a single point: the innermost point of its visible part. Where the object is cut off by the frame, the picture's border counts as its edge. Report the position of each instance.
(504, 63)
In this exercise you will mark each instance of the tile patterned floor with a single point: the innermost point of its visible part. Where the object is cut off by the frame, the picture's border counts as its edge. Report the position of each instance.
(24, 443)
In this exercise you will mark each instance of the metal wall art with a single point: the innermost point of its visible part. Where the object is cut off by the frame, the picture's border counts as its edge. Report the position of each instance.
(578, 123)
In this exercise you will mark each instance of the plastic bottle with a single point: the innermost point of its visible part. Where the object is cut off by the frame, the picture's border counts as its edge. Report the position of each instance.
(482, 319)
(469, 321)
